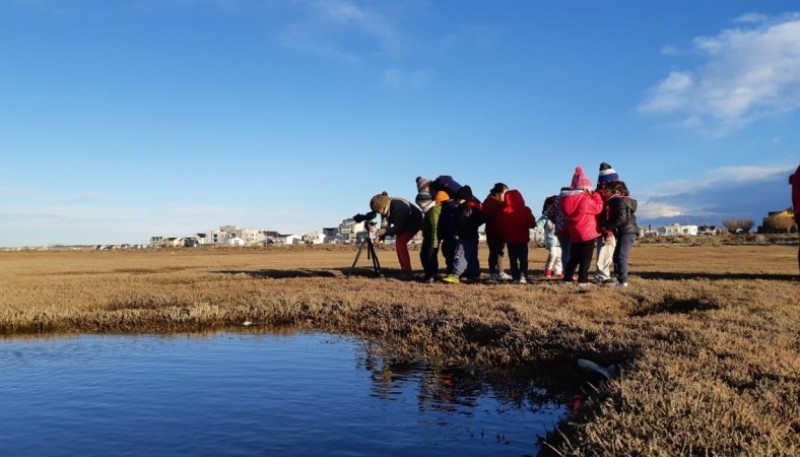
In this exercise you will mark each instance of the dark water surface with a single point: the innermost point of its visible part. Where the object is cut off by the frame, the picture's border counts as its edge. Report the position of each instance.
(304, 394)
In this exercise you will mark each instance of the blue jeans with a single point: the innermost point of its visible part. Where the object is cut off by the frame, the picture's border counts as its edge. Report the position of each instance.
(466, 259)
(621, 253)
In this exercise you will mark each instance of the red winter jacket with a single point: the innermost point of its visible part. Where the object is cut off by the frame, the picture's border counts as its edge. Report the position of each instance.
(581, 210)
(795, 181)
(516, 219)
(493, 207)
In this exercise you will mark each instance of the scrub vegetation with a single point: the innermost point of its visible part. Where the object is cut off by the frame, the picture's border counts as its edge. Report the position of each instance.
(707, 337)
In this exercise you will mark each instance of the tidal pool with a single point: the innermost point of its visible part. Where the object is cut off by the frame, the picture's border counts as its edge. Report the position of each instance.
(304, 394)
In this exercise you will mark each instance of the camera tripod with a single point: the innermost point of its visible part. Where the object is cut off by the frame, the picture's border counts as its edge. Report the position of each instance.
(371, 254)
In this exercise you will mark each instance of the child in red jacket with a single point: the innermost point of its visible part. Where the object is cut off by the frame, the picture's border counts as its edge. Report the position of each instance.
(517, 220)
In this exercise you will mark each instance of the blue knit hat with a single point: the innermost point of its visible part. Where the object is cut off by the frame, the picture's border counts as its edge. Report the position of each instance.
(607, 174)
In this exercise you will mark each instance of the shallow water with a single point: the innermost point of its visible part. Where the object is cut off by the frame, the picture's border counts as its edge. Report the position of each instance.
(255, 394)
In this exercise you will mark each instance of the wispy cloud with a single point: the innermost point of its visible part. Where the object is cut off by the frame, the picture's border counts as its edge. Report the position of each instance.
(395, 78)
(751, 72)
(88, 197)
(326, 28)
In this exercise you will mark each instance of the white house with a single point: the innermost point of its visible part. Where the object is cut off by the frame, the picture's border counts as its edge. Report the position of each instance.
(314, 238)
(678, 229)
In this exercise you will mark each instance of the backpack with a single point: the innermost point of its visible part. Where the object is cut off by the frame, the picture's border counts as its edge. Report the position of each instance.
(447, 184)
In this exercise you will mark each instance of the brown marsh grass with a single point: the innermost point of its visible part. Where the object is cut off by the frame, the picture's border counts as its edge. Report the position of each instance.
(708, 337)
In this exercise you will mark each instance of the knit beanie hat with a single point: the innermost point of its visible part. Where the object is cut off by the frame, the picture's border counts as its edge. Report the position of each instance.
(424, 200)
(465, 193)
(423, 183)
(380, 203)
(498, 188)
(442, 196)
(607, 174)
(580, 181)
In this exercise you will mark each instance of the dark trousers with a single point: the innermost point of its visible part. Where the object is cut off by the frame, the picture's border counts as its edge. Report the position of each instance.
(495, 254)
(518, 257)
(621, 253)
(580, 258)
(429, 257)
(449, 253)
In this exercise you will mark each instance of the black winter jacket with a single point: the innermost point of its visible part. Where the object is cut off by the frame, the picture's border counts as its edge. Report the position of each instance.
(448, 220)
(403, 217)
(622, 215)
(470, 219)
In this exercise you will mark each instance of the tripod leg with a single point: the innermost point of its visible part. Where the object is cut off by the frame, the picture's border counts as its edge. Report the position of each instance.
(358, 254)
(376, 264)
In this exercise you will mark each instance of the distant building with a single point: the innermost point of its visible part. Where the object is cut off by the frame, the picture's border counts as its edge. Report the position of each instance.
(313, 238)
(330, 234)
(708, 230)
(349, 231)
(677, 229)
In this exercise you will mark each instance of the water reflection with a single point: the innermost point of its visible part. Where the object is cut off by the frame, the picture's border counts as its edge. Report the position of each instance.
(293, 393)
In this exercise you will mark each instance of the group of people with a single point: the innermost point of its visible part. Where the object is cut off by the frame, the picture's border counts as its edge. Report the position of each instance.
(577, 222)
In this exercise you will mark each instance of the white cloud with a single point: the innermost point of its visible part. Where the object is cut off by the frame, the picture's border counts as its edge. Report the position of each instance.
(326, 26)
(751, 72)
(654, 210)
(395, 78)
(751, 18)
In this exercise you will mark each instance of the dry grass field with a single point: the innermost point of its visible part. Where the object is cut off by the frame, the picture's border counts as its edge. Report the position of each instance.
(707, 337)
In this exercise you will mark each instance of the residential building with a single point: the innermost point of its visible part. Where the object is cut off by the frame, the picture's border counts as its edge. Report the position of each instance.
(677, 229)
(349, 230)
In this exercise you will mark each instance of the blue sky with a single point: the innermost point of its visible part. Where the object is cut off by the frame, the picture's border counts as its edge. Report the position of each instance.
(124, 119)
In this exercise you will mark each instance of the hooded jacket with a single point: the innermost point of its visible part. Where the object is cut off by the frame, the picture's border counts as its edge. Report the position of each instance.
(516, 219)
(550, 238)
(581, 210)
(622, 217)
(403, 217)
(492, 207)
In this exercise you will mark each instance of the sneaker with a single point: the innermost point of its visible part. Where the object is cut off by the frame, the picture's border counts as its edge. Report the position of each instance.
(504, 276)
(494, 277)
(585, 285)
(428, 280)
(522, 280)
(450, 279)
(559, 276)
(622, 284)
(548, 273)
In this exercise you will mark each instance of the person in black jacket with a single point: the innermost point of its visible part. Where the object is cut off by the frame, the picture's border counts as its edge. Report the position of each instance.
(469, 217)
(399, 219)
(447, 231)
(622, 222)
